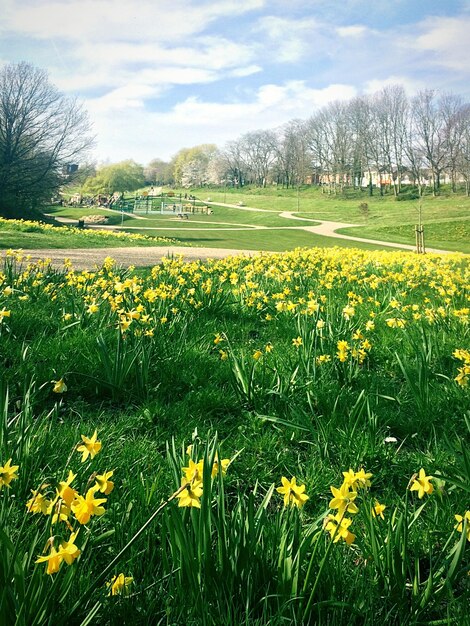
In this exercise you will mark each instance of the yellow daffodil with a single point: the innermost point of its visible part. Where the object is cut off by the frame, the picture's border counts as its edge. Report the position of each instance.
(53, 559)
(378, 510)
(422, 484)
(90, 446)
(193, 472)
(337, 526)
(4, 313)
(294, 494)
(257, 354)
(460, 522)
(119, 585)
(65, 491)
(39, 503)
(60, 511)
(105, 485)
(190, 497)
(348, 312)
(220, 466)
(343, 499)
(297, 342)
(85, 507)
(343, 348)
(8, 473)
(68, 550)
(59, 386)
(358, 479)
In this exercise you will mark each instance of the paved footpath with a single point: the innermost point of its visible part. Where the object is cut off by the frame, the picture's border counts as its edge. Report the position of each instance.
(87, 258)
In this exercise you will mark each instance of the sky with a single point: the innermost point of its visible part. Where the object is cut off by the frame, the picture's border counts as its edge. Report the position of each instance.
(159, 75)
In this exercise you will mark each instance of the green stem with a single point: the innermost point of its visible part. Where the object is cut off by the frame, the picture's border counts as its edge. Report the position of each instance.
(128, 545)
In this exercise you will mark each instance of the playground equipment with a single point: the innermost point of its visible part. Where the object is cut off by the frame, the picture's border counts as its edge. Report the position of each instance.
(163, 204)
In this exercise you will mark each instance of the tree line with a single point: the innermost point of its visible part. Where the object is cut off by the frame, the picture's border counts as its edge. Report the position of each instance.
(383, 140)
(380, 140)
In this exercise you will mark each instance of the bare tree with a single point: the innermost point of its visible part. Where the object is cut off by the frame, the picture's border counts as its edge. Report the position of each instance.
(293, 161)
(455, 122)
(259, 154)
(464, 149)
(235, 165)
(390, 109)
(329, 140)
(429, 134)
(41, 133)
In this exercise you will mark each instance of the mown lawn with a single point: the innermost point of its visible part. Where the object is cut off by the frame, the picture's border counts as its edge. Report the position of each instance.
(451, 235)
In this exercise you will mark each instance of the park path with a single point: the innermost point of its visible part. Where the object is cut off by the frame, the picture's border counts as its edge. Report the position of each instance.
(325, 228)
(86, 258)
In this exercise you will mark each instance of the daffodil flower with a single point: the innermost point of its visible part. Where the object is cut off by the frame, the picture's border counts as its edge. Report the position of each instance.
(59, 386)
(85, 507)
(8, 473)
(422, 484)
(190, 497)
(68, 550)
(65, 491)
(337, 526)
(460, 521)
(90, 446)
(293, 494)
(105, 485)
(343, 499)
(119, 585)
(378, 510)
(53, 559)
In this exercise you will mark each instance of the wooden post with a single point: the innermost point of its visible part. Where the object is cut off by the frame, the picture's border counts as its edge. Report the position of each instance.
(419, 238)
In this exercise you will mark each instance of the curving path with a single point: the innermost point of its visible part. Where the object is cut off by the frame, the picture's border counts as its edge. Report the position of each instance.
(82, 258)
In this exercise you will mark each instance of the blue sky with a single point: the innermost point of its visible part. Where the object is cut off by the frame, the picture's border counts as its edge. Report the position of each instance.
(160, 75)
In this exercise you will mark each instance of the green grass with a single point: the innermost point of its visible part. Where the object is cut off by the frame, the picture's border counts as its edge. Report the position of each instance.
(141, 356)
(449, 235)
(385, 219)
(274, 240)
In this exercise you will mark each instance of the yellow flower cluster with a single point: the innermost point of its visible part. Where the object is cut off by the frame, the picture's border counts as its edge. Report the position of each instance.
(67, 502)
(463, 375)
(41, 227)
(294, 494)
(343, 502)
(191, 481)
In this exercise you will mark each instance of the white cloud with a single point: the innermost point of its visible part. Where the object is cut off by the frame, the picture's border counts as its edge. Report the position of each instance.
(446, 39)
(355, 31)
(411, 85)
(194, 121)
(290, 39)
(85, 20)
(208, 52)
(246, 71)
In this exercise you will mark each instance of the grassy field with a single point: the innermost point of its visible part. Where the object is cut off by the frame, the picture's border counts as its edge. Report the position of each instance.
(454, 234)
(275, 240)
(153, 424)
(446, 220)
